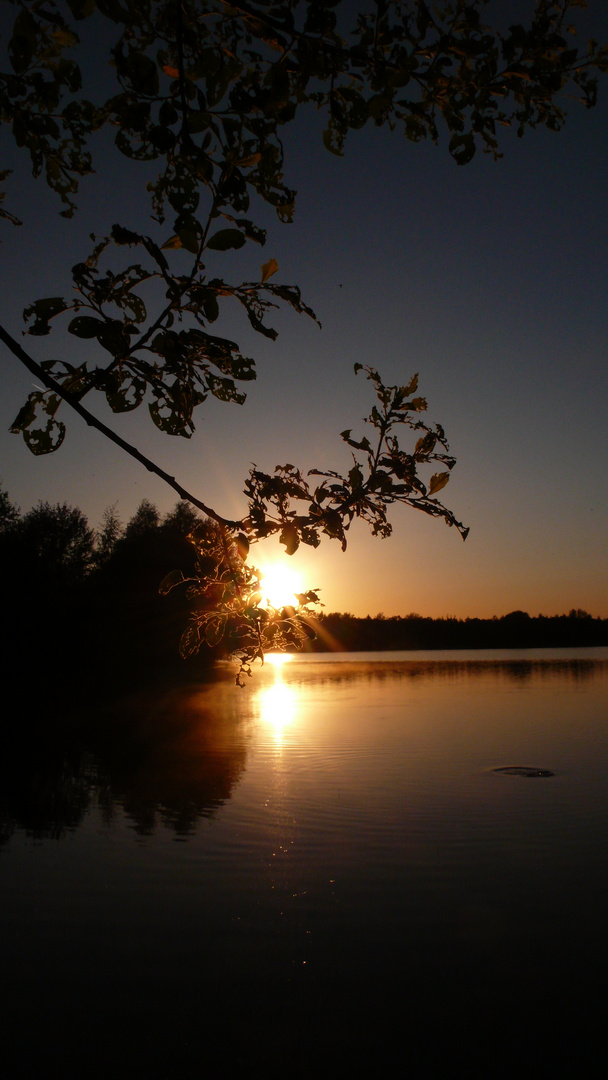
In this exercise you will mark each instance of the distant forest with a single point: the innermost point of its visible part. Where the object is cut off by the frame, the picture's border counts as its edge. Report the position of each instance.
(82, 604)
(517, 630)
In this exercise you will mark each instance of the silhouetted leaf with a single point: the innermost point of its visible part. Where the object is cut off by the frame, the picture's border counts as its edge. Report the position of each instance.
(190, 641)
(462, 148)
(50, 433)
(363, 444)
(214, 632)
(333, 142)
(225, 239)
(85, 326)
(247, 162)
(438, 481)
(289, 537)
(22, 45)
(190, 240)
(173, 243)
(355, 477)
(42, 311)
(242, 544)
(211, 309)
(81, 9)
(252, 231)
(268, 269)
(128, 395)
(140, 70)
(170, 581)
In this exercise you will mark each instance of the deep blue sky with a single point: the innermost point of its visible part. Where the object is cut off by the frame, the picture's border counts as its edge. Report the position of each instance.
(490, 280)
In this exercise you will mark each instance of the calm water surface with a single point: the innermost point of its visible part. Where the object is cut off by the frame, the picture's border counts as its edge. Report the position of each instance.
(320, 874)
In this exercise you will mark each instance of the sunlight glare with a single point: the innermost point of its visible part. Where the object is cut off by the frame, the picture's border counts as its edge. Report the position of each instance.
(277, 659)
(280, 584)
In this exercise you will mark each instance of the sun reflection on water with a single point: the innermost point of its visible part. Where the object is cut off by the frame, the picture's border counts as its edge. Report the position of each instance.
(277, 702)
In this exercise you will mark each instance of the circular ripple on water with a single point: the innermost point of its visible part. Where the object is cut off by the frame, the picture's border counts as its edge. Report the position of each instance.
(523, 770)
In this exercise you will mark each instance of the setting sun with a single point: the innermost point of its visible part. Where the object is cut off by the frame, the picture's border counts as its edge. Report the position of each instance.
(279, 585)
(278, 659)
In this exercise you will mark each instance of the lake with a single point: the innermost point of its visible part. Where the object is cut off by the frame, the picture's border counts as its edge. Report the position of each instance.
(321, 874)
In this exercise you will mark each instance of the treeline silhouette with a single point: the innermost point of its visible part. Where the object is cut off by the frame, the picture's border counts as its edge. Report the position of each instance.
(517, 630)
(81, 606)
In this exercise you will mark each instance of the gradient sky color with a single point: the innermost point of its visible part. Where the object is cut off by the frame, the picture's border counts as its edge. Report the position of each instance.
(489, 280)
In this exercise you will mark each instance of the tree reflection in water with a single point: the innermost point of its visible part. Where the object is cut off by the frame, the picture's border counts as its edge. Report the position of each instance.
(166, 757)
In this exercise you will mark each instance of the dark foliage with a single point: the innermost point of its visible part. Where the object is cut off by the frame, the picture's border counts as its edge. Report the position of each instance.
(82, 612)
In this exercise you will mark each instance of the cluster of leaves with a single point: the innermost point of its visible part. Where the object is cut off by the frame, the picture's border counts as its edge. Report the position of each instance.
(39, 97)
(175, 365)
(204, 87)
(386, 475)
(416, 66)
(226, 592)
(227, 603)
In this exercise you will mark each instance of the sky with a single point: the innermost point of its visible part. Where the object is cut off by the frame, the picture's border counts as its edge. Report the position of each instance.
(489, 280)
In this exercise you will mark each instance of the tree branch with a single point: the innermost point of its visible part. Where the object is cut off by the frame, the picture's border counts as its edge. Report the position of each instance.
(92, 421)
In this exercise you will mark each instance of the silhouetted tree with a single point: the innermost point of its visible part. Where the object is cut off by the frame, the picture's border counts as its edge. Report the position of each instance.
(48, 558)
(9, 513)
(107, 537)
(47, 554)
(56, 542)
(145, 519)
(137, 630)
(182, 519)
